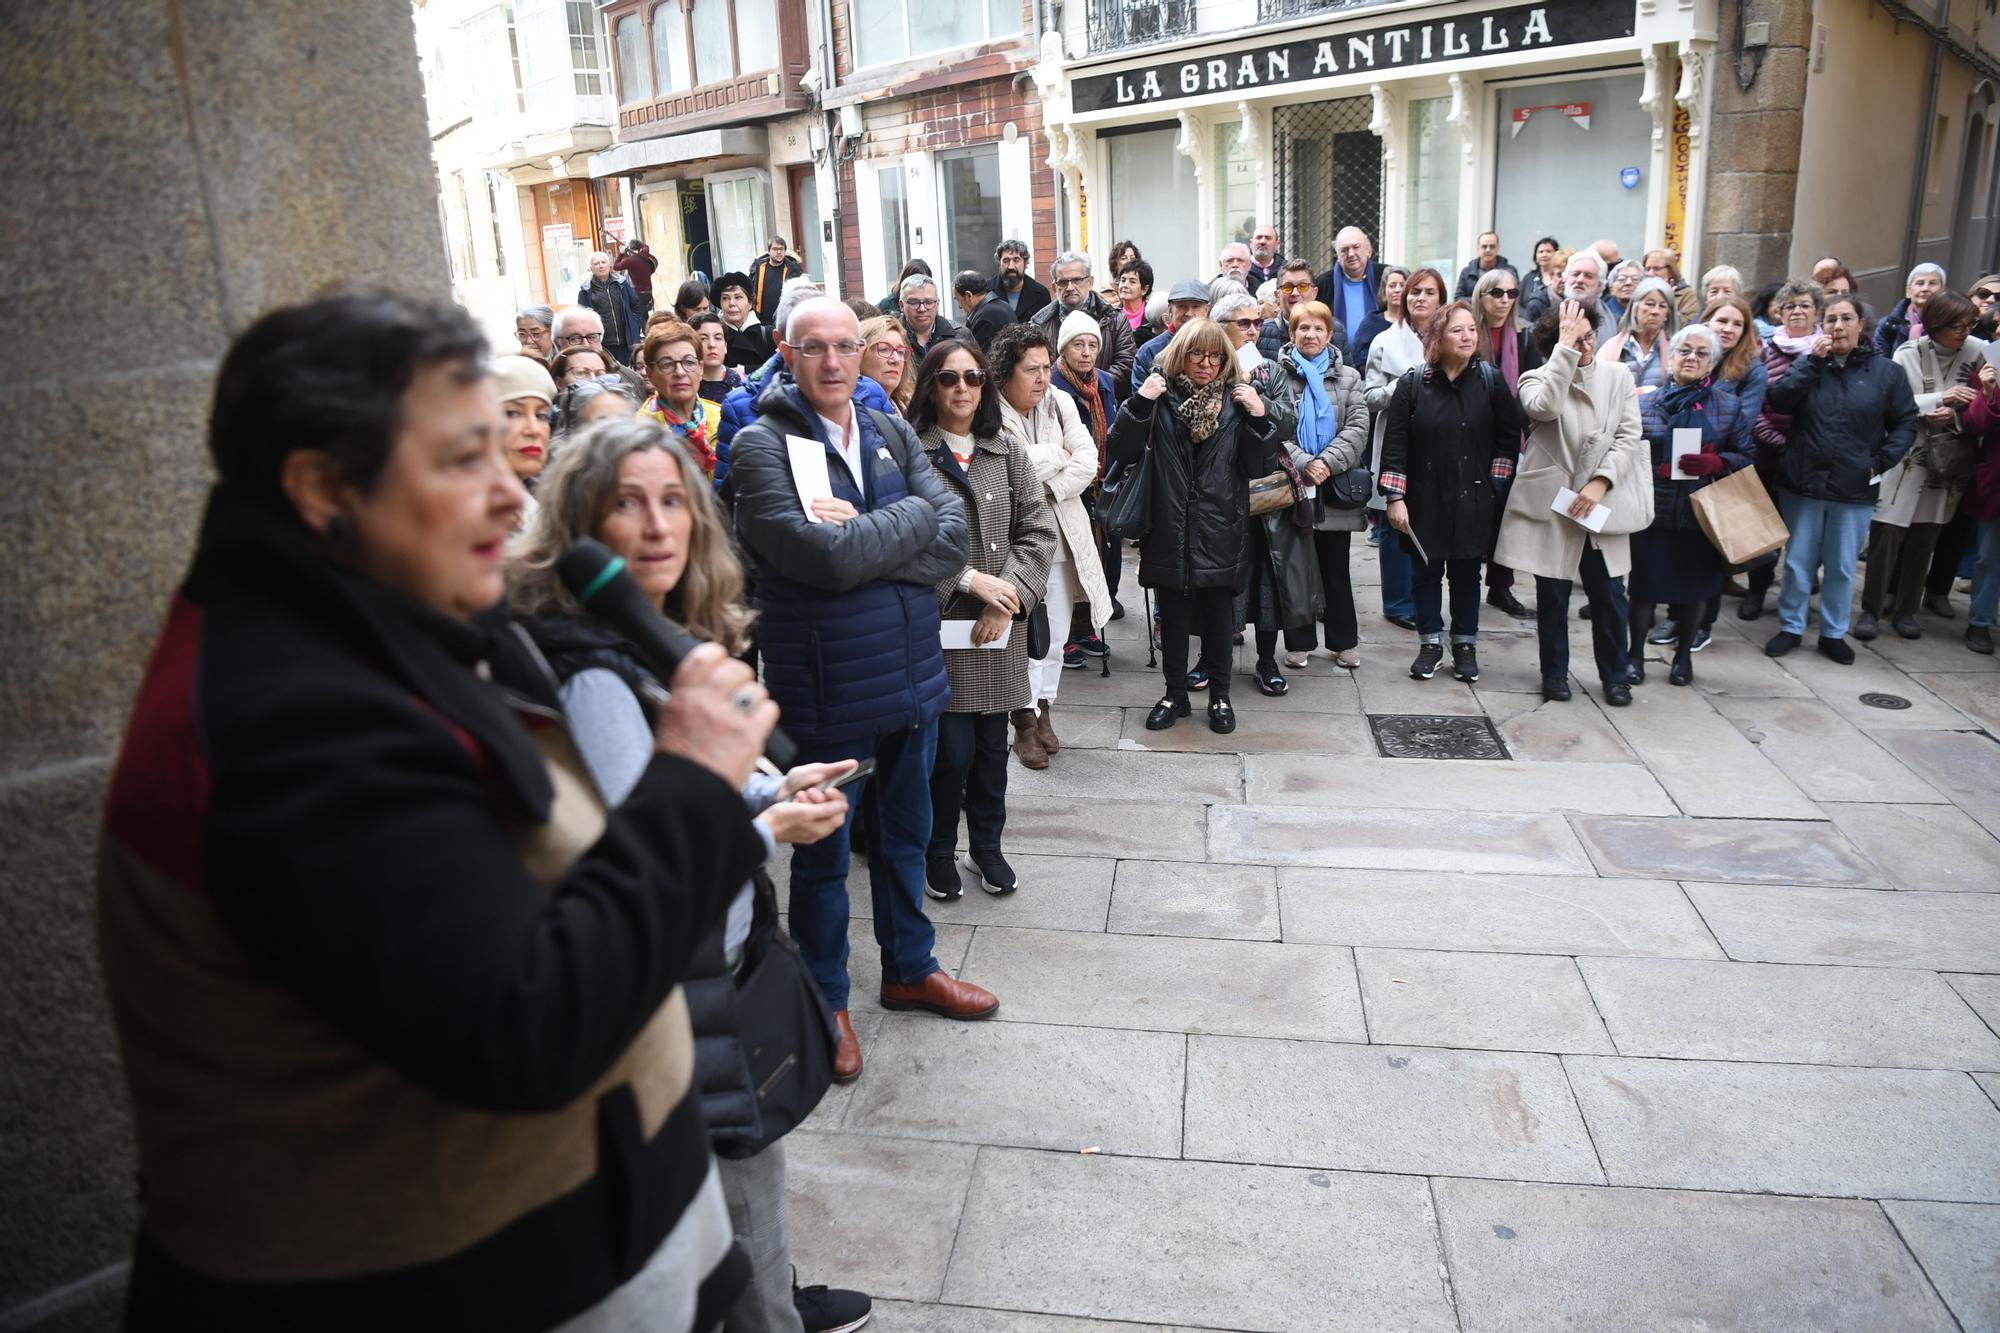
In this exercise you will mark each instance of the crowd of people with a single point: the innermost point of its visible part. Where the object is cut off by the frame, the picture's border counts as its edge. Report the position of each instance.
(455, 982)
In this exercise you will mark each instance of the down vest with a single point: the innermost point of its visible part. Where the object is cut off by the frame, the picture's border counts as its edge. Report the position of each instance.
(848, 611)
(1850, 424)
(1199, 536)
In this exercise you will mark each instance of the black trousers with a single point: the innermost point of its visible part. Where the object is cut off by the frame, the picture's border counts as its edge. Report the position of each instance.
(1686, 618)
(1950, 550)
(970, 772)
(1207, 612)
(1607, 620)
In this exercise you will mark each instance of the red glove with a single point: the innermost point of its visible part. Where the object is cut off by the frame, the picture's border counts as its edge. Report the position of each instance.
(1664, 471)
(1702, 465)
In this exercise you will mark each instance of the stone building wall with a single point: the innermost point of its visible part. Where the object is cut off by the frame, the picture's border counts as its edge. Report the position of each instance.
(1753, 164)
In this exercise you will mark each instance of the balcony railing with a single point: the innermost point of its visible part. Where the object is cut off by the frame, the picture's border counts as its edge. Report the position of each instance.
(1115, 24)
(1297, 9)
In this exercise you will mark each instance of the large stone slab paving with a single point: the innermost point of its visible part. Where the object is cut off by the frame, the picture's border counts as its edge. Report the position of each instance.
(1785, 1013)
(1386, 686)
(1843, 686)
(1748, 851)
(864, 960)
(1269, 731)
(1199, 899)
(1086, 826)
(1829, 758)
(1981, 992)
(1306, 692)
(876, 1215)
(1081, 726)
(1964, 765)
(1132, 685)
(1959, 1246)
(1942, 648)
(1737, 670)
(902, 1317)
(1536, 730)
(1976, 695)
(1455, 785)
(1023, 1085)
(1396, 840)
(1485, 1001)
(1056, 893)
(828, 1116)
(1502, 913)
(1170, 985)
(1990, 1085)
(1131, 776)
(1203, 1243)
(1407, 1109)
(1526, 1258)
(1951, 932)
(1703, 761)
(1790, 1129)
(1923, 846)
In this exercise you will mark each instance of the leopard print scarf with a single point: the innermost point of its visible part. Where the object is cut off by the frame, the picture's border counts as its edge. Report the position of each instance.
(1199, 408)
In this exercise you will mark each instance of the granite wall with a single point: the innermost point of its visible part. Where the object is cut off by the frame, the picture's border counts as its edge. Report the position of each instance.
(176, 168)
(1753, 162)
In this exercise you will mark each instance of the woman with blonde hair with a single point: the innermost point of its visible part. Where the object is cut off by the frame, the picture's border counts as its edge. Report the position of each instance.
(1207, 434)
(885, 358)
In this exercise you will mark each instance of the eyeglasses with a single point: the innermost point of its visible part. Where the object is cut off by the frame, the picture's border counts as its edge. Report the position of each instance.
(1295, 288)
(916, 303)
(815, 349)
(686, 365)
(950, 378)
(1693, 353)
(1083, 281)
(1248, 323)
(529, 335)
(1791, 306)
(580, 339)
(1199, 355)
(889, 351)
(1986, 294)
(1505, 293)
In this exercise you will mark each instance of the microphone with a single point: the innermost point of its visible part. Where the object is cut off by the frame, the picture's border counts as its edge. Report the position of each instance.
(598, 580)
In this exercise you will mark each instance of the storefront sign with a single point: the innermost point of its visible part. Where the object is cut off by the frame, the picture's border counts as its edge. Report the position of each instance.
(1680, 148)
(1578, 113)
(1520, 28)
(615, 229)
(556, 234)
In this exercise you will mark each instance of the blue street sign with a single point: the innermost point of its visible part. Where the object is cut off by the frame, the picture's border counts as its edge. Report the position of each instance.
(1628, 177)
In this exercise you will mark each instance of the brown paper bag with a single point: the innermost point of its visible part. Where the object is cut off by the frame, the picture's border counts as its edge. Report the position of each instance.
(1737, 515)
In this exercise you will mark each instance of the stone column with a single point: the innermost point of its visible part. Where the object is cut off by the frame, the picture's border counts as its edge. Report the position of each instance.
(178, 167)
(1753, 143)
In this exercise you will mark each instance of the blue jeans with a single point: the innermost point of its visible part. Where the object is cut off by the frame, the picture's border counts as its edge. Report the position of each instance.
(1825, 537)
(1985, 573)
(1465, 591)
(1399, 573)
(900, 793)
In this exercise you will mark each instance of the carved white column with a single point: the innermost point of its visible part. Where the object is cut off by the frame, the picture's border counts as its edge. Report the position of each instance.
(1387, 124)
(1694, 95)
(1255, 140)
(1197, 145)
(1474, 211)
(1659, 157)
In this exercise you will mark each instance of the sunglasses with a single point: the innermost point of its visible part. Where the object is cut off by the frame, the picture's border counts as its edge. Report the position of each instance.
(1986, 294)
(1248, 323)
(1505, 293)
(950, 378)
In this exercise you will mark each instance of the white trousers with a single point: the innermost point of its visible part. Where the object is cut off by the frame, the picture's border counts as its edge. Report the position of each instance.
(1045, 673)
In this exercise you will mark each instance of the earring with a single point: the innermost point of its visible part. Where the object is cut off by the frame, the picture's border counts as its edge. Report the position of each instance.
(339, 531)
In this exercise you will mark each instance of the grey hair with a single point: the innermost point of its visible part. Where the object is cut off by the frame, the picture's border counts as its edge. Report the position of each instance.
(541, 314)
(1070, 257)
(1647, 288)
(1226, 306)
(1267, 290)
(596, 255)
(1697, 330)
(1922, 268)
(1233, 245)
(1222, 288)
(805, 305)
(1624, 264)
(914, 281)
(1488, 280)
(1725, 273)
(788, 305)
(1590, 256)
(581, 394)
(1795, 288)
(565, 318)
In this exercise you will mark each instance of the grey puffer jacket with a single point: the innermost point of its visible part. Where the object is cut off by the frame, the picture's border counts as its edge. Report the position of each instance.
(1349, 446)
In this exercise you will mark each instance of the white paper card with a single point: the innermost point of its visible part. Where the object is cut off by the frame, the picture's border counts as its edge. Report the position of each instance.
(1594, 520)
(1687, 440)
(1411, 535)
(809, 472)
(958, 634)
(1248, 358)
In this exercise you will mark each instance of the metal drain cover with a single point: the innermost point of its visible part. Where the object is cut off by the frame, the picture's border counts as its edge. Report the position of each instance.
(1894, 702)
(1419, 736)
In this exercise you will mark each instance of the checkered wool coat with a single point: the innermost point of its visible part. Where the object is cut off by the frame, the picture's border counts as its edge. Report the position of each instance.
(1013, 536)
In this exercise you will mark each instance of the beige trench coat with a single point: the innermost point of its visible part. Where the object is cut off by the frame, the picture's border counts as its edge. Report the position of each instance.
(1911, 492)
(1573, 407)
(1042, 436)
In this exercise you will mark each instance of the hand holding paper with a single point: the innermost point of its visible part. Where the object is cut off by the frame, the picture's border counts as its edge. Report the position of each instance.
(808, 459)
(1574, 507)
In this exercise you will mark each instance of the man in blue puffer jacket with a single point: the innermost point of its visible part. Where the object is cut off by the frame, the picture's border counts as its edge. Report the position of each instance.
(739, 407)
(848, 625)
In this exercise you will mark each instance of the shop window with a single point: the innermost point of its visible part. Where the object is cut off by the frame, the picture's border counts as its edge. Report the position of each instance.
(1235, 188)
(969, 180)
(1151, 186)
(670, 47)
(737, 223)
(712, 60)
(1560, 167)
(586, 49)
(1432, 199)
(756, 35)
(896, 220)
(635, 72)
(887, 30)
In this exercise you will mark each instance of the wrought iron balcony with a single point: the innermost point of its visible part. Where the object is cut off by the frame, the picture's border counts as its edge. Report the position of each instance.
(1115, 24)
(1296, 9)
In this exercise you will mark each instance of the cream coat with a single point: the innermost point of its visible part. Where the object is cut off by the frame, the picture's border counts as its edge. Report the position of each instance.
(1572, 407)
(1042, 436)
(1911, 492)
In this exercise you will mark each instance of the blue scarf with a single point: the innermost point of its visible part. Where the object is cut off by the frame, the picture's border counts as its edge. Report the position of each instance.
(1317, 422)
(1680, 404)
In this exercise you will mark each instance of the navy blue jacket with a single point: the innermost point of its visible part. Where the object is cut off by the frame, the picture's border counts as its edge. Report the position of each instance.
(1107, 392)
(1142, 360)
(1849, 423)
(739, 407)
(848, 612)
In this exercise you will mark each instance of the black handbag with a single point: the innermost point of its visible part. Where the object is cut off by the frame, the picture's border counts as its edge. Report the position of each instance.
(786, 1031)
(1130, 513)
(1351, 489)
(1038, 631)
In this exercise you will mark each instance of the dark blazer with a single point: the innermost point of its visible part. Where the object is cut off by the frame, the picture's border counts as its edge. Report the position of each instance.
(1032, 298)
(1115, 347)
(628, 305)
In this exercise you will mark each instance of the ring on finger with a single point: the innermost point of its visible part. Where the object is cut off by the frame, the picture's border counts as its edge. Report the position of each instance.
(745, 699)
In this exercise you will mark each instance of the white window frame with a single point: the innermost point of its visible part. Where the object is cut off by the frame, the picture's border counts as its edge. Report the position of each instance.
(986, 14)
(758, 176)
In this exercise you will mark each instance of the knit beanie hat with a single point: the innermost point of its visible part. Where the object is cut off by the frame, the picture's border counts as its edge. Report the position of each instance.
(522, 377)
(1075, 324)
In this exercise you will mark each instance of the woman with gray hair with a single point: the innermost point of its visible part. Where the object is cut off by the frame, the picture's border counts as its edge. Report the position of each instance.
(1644, 334)
(588, 401)
(1906, 321)
(534, 329)
(1673, 561)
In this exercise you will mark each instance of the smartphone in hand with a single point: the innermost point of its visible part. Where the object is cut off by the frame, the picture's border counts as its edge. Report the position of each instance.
(861, 770)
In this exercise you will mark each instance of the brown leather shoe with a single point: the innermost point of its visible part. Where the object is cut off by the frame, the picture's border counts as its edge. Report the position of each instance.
(846, 1056)
(942, 993)
(1045, 728)
(1027, 739)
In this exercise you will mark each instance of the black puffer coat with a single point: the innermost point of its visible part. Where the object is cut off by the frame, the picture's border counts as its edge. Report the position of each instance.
(1199, 537)
(1446, 445)
(1849, 424)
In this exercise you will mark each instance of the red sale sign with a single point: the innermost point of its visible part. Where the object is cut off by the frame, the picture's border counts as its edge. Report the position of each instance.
(1577, 112)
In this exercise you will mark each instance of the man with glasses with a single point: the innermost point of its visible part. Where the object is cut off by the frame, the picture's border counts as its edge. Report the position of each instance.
(1070, 277)
(1295, 286)
(1488, 259)
(580, 326)
(611, 298)
(1353, 285)
(917, 303)
(1187, 301)
(847, 607)
(1235, 263)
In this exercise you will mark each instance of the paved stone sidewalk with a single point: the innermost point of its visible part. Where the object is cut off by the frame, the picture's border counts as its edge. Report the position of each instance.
(1682, 1016)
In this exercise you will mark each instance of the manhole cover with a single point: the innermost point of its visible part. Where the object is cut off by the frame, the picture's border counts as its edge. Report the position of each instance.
(1411, 736)
(1890, 701)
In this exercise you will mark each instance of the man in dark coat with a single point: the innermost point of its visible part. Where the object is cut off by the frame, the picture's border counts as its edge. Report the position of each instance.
(1352, 288)
(1265, 261)
(922, 312)
(1296, 286)
(612, 298)
(1071, 276)
(1489, 258)
(848, 625)
(768, 275)
(1023, 295)
(984, 313)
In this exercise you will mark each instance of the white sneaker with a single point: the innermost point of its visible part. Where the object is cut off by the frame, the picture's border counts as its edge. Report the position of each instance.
(1296, 660)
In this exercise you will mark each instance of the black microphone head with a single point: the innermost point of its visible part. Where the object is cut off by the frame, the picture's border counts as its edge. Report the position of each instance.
(587, 568)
